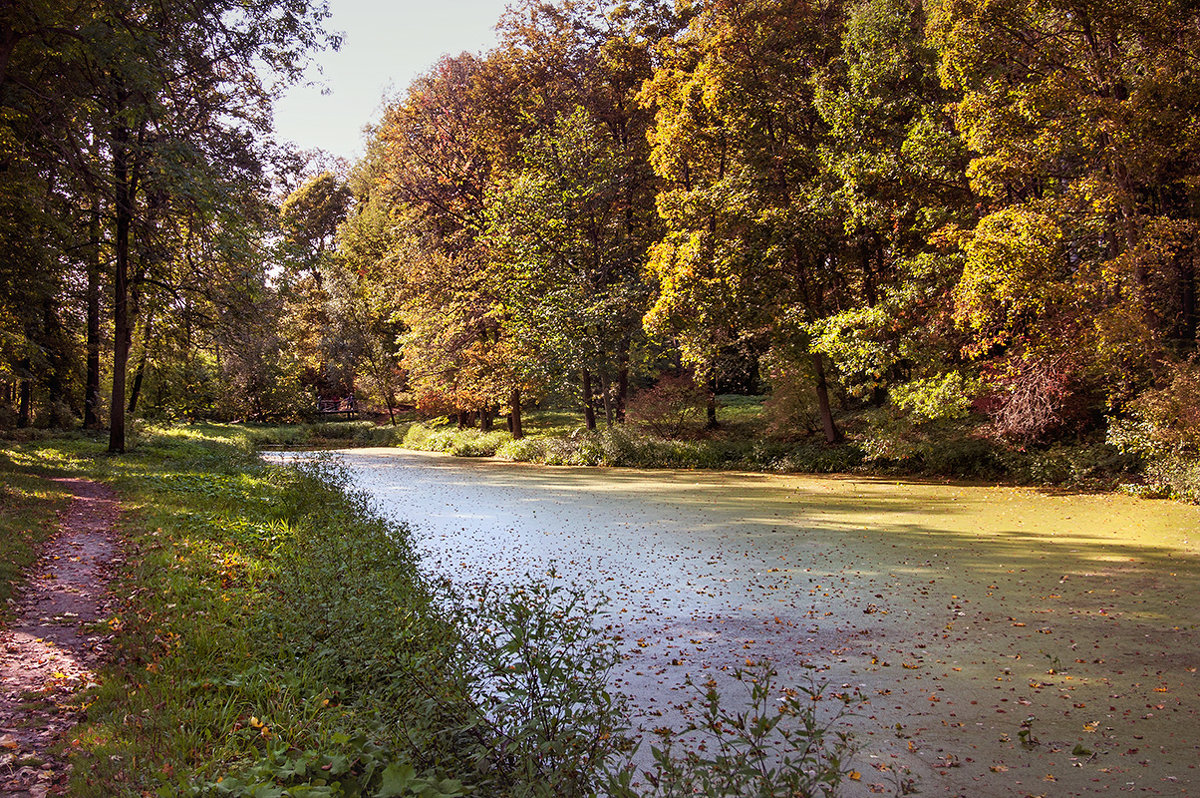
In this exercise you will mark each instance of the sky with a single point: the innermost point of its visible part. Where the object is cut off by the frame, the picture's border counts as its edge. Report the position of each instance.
(386, 44)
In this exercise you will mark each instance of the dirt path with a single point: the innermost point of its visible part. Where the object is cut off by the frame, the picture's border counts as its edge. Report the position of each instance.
(47, 656)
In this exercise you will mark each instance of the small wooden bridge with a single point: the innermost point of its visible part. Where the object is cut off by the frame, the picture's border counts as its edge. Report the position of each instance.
(331, 407)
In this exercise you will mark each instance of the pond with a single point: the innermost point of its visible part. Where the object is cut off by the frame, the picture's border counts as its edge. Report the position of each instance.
(958, 611)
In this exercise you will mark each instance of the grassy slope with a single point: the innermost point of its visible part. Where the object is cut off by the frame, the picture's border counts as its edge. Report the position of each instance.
(224, 653)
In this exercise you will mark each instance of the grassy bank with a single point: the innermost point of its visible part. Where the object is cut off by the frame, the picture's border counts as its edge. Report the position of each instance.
(746, 441)
(321, 434)
(275, 638)
(274, 635)
(876, 443)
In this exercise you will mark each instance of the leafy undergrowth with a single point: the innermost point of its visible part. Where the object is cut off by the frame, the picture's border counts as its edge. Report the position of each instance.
(275, 638)
(875, 444)
(317, 435)
(558, 438)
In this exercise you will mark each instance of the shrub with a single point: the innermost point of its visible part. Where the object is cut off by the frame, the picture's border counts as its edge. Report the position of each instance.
(472, 443)
(525, 450)
(791, 409)
(670, 407)
(960, 456)
(818, 458)
(533, 668)
(946, 396)
(434, 436)
(1163, 433)
(780, 745)
(1034, 398)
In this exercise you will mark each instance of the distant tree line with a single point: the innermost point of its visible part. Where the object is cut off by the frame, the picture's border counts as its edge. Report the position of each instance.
(133, 183)
(957, 210)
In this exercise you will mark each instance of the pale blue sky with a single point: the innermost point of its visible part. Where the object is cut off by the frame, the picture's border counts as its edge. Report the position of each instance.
(386, 45)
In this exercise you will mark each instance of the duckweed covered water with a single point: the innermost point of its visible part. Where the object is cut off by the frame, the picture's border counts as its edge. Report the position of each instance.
(960, 612)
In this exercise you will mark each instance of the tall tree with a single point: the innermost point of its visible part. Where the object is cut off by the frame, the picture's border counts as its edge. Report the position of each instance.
(433, 158)
(895, 178)
(174, 100)
(749, 249)
(575, 210)
(1082, 115)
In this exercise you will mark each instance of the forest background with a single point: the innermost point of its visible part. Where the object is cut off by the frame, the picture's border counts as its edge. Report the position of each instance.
(952, 230)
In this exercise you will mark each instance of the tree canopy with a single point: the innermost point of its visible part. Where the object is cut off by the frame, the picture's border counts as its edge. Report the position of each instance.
(948, 210)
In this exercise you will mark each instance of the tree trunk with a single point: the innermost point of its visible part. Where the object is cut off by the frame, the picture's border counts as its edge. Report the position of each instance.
(140, 372)
(485, 418)
(606, 397)
(91, 397)
(514, 415)
(710, 408)
(56, 357)
(24, 402)
(832, 435)
(623, 388)
(123, 211)
(622, 380)
(121, 336)
(589, 410)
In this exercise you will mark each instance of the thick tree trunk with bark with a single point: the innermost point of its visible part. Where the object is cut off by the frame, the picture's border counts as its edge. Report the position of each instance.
(122, 334)
(832, 434)
(121, 329)
(486, 414)
(589, 409)
(514, 414)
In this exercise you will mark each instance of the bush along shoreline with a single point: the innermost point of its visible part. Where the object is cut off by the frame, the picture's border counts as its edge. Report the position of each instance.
(942, 453)
(275, 638)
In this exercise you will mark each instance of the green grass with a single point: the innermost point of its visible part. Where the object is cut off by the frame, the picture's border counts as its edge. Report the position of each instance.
(262, 610)
(273, 637)
(29, 504)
